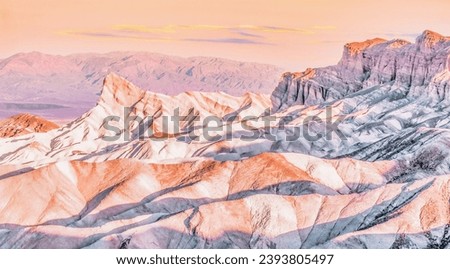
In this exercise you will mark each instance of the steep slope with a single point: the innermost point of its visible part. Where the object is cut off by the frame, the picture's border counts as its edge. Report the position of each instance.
(64, 87)
(24, 124)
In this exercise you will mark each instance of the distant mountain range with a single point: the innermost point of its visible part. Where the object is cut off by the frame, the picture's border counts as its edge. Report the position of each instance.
(64, 87)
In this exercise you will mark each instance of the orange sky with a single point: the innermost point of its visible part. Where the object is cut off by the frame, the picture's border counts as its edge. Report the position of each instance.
(294, 34)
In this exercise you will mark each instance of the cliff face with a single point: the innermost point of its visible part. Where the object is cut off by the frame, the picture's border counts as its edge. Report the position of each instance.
(421, 67)
(24, 124)
(64, 87)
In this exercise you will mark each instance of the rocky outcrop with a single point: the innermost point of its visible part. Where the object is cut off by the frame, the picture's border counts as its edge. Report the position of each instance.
(268, 201)
(417, 68)
(24, 124)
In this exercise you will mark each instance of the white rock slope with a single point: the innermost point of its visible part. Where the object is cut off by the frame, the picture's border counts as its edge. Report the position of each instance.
(422, 67)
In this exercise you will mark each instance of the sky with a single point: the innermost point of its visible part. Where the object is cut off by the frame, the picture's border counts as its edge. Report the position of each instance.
(293, 34)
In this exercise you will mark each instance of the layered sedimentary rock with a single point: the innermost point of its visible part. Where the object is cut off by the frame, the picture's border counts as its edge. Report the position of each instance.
(422, 67)
(64, 87)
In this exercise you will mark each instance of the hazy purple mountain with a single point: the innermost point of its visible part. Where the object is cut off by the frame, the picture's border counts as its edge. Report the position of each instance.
(61, 87)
